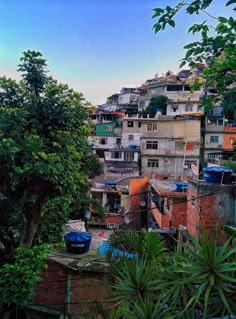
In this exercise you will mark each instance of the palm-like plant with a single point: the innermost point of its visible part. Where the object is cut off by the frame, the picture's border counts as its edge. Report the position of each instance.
(197, 281)
(203, 278)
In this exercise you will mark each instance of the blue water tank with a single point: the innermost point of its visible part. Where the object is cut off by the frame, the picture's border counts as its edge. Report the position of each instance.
(111, 184)
(181, 187)
(217, 175)
(132, 147)
(78, 242)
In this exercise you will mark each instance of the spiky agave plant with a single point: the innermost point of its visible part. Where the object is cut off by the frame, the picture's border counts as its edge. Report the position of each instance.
(202, 279)
(136, 280)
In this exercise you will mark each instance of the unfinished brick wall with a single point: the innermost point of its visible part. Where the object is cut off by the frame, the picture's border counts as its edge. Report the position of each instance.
(175, 216)
(214, 204)
(50, 291)
(179, 212)
(162, 220)
(138, 193)
(68, 291)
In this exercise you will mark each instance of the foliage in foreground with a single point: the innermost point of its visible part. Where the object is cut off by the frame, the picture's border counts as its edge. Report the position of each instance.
(193, 282)
(17, 280)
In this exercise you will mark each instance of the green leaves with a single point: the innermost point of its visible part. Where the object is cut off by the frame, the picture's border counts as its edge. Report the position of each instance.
(17, 280)
(230, 2)
(43, 128)
(197, 281)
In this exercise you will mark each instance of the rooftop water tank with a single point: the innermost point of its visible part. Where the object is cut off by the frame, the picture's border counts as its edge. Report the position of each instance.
(78, 242)
(180, 187)
(217, 175)
(132, 147)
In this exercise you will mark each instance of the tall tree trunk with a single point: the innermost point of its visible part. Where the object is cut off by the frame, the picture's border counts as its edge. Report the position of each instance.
(31, 222)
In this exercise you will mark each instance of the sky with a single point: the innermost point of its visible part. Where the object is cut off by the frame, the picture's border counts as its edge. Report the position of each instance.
(96, 46)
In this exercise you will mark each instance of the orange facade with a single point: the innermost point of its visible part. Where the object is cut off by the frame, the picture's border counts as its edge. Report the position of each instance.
(229, 137)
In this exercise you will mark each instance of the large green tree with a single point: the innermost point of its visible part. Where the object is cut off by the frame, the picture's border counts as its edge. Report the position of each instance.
(159, 102)
(43, 148)
(216, 44)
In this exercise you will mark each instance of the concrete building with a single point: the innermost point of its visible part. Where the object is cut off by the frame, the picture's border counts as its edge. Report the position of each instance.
(213, 138)
(107, 133)
(169, 147)
(181, 100)
(120, 162)
(131, 130)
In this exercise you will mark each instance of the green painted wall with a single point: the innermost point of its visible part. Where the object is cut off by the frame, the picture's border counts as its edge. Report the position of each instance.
(103, 130)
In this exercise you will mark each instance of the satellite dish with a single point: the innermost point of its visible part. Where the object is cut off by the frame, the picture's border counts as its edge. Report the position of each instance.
(194, 169)
(127, 220)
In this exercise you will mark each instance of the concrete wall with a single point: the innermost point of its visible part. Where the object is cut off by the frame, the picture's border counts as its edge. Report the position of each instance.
(186, 129)
(126, 141)
(181, 109)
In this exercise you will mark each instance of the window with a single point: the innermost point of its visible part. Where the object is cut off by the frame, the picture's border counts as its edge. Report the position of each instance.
(152, 127)
(139, 124)
(128, 156)
(142, 104)
(103, 141)
(153, 163)
(118, 141)
(189, 163)
(214, 139)
(152, 145)
(108, 128)
(131, 138)
(116, 155)
(188, 108)
(175, 108)
(130, 124)
(214, 156)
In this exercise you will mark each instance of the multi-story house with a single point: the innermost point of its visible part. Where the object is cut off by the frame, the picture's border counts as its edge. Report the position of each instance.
(107, 133)
(180, 98)
(131, 130)
(128, 100)
(169, 147)
(213, 138)
(120, 162)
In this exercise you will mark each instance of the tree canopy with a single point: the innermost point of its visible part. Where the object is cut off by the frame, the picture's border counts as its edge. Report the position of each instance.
(158, 102)
(43, 148)
(216, 46)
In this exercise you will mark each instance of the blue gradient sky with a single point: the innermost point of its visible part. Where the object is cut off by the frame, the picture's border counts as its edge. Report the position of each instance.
(96, 46)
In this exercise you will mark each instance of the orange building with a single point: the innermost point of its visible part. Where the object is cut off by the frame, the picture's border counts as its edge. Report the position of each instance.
(229, 137)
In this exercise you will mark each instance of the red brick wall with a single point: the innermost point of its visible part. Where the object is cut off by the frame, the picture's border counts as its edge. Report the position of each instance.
(51, 289)
(209, 211)
(86, 289)
(178, 215)
(162, 220)
(179, 212)
(138, 189)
